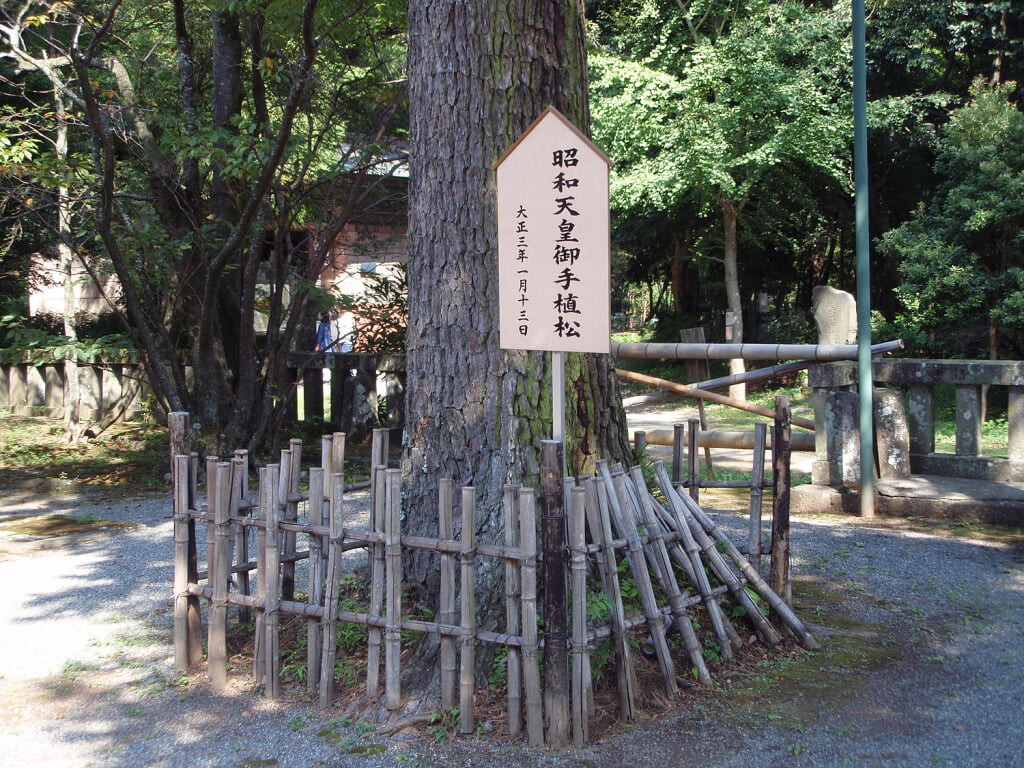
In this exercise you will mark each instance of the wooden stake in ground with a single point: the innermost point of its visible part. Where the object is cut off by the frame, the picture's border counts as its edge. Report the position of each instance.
(467, 658)
(269, 480)
(779, 575)
(513, 657)
(556, 657)
(393, 557)
(531, 644)
(446, 604)
(332, 594)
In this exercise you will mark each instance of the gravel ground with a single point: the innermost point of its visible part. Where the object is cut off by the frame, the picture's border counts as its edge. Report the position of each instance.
(931, 627)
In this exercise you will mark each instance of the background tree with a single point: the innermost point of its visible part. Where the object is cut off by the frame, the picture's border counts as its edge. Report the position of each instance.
(220, 172)
(962, 253)
(479, 74)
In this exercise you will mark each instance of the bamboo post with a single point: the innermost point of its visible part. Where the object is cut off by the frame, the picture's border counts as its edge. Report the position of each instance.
(269, 480)
(181, 580)
(195, 616)
(756, 497)
(219, 492)
(446, 606)
(315, 573)
(265, 499)
(556, 657)
(678, 440)
(513, 656)
(211, 474)
(531, 645)
(332, 594)
(663, 570)
(291, 515)
(376, 553)
(581, 692)
(694, 458)
(467, 658)
(337, 468)
(779, 579)
(638, 566)
(241, 543)
(393, 556)
(601, 532)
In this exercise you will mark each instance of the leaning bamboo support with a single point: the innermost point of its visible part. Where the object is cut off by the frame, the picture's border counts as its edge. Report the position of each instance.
(663, 570)
(513, 657)
(531, 644)
(775, 602)
(219, 486)
(446, 605)
(269, 479)
(374, 636)
(687, 512)
(211, 472)
(181, 580)
(393, 559)
(195, 617)
(315, 573)
(638, 566)
(467, 656)
(581, 681)
(713, 397)
(601, 533)
(332, 594)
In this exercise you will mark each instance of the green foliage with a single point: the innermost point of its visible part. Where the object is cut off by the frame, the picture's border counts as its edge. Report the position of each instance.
(26, 343)
(381, 312)
(962, 253)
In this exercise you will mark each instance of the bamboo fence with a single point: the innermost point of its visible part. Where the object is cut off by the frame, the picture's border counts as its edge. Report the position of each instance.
(256, 540)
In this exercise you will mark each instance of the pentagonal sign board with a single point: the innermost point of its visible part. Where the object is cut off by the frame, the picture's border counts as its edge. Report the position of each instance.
(553, 240)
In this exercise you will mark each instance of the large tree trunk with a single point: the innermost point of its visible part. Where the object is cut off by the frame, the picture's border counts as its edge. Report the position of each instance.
(479, 74)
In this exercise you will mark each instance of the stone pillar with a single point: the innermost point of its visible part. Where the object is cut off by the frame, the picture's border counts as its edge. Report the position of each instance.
(968, 420)
(18, 390)
(54, 375)
(921, 418)
(35, 389)
(892, 438)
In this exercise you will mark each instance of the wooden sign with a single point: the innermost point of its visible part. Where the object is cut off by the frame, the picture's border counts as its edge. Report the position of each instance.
(553, 240)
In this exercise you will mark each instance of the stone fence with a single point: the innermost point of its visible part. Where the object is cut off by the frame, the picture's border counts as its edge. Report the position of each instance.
(40, 389)
(905, 420)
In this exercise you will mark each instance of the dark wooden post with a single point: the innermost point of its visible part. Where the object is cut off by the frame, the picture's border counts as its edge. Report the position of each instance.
(556, 652)
(781, 451)
(692, 454)
(180, 433)
(313, 392)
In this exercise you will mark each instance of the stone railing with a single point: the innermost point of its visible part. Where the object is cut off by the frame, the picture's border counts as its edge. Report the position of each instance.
(40, 389)
(905, 423)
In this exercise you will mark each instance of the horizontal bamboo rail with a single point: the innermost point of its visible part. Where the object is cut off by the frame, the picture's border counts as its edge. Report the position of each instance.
(813, 352)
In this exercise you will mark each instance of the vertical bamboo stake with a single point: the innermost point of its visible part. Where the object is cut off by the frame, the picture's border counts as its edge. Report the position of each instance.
(195, 617)
(393, 555)
(219, 490)
(678, 440)
(779, 574)
(240, 467)
(556, 656)
(580, 656)
(531, 645)
(269, 479)
(756, 497)
(333, 590)
(315, 572)
(467, 658)
(337, 468)
(446, 605)
(376, 555)
(291, 514)
(513, 657)
(601, 532)
(181, 519)
(211, 474)
(266, 497)
(693, 454)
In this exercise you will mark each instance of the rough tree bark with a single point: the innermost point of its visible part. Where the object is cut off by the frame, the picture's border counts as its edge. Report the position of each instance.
(479, 73)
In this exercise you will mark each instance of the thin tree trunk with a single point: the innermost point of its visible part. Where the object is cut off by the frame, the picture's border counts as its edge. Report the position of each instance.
(730, 215)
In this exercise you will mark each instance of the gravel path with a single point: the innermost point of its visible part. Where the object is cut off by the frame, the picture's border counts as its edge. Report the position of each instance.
(86, 675)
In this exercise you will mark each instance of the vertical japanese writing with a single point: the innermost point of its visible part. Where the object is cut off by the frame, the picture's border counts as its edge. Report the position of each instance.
(568, 314)
(522, 231)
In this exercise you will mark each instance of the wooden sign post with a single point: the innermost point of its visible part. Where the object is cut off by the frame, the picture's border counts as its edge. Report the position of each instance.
(553, 247)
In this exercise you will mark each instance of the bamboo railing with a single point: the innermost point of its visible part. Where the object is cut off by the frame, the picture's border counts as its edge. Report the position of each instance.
(610, 517)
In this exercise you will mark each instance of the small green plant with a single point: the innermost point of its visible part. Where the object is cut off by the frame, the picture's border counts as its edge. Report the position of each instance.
(441, 725)
(297, 723)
